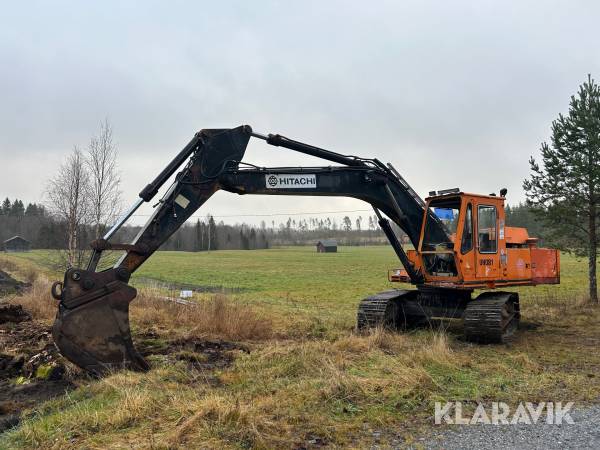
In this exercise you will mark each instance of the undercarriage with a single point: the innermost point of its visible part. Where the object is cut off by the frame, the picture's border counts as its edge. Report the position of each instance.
(491, 317)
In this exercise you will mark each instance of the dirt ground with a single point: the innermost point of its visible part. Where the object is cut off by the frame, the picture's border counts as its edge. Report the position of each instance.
(33, 371)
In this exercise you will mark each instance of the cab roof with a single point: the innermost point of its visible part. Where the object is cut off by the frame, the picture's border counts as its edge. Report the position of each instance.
(464, 194)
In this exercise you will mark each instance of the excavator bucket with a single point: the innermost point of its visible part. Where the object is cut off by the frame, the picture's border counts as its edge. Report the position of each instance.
(92, 323)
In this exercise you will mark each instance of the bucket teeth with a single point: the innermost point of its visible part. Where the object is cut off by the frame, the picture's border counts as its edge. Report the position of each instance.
(92, 323)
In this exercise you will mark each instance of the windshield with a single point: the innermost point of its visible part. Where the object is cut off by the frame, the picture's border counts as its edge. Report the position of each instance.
(442, 213)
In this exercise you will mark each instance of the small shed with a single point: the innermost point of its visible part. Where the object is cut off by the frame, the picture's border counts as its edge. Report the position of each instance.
(16, 244)
(327, 246)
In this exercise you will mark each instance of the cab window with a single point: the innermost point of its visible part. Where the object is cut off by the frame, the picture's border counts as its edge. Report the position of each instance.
(467, 235)
(486, 229)
(441, 223)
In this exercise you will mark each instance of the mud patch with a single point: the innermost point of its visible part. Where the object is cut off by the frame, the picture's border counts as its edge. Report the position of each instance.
(13, 313)
(202, 357)
(31, 369)
(26, 348)
(24, 338)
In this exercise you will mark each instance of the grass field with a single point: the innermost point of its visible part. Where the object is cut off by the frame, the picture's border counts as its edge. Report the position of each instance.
(297, 280)
(300, 376)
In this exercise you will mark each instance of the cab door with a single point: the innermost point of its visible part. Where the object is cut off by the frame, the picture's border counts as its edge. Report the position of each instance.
(487, 265)
(467, 244)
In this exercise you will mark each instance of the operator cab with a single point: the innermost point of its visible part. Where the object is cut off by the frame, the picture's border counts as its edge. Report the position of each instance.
(460, 232)
(464, 243)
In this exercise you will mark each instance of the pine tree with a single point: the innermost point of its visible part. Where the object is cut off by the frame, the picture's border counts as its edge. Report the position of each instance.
(244, 240)
(31, 210)
(17, 209)
(6, 206)
(566, 188)
(212, 234)
(197, 236)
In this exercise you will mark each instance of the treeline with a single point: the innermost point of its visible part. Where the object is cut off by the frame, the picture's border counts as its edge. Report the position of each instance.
(360, 231)
(206, 234)
(45, 230)
(210, 235)
(33, 222)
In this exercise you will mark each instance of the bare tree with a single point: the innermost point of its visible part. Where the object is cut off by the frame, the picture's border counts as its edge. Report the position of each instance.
(101, 162)
(68, 194)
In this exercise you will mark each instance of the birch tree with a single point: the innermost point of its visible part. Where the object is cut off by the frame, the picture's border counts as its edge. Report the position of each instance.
(105, 193)
(68, 194)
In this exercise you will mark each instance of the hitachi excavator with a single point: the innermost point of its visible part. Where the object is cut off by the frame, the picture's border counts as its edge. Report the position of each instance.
(460, 243)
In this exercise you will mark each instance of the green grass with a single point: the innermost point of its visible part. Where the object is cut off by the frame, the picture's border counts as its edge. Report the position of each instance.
(315, 377)
(296, 280)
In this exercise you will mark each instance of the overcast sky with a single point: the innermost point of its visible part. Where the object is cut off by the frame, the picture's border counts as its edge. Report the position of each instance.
(454, 94)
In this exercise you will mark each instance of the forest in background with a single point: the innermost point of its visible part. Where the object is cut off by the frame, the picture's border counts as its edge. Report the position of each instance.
(45, 231)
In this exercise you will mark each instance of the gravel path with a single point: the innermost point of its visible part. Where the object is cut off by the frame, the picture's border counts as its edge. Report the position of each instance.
(584, 433)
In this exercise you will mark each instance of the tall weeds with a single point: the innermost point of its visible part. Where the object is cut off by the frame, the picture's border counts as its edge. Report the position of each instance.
(217, 316)
(37, 300)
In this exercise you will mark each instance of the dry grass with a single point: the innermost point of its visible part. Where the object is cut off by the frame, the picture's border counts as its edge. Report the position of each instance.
(550, 305)
(216, 316)
(434, 345)
(330, 383)
(285, 392)
(37, 300)
(330, 389)
(24, 271)
(7, 265)
(216, 412)
(437, 349)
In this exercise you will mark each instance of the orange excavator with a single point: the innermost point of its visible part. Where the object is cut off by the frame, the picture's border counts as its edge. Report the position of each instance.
(460, 243)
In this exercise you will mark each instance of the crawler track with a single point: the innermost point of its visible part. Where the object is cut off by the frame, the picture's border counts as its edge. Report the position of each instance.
(492, 317)
(379, 310)
(393, 309)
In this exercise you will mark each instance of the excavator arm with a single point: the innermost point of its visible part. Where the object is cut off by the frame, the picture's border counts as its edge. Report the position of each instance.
(92, 324)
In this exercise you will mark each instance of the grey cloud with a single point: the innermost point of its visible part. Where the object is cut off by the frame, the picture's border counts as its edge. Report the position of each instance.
(453, 93)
